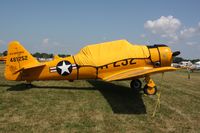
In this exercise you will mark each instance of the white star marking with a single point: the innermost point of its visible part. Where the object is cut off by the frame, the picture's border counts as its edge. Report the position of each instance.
(64, 68)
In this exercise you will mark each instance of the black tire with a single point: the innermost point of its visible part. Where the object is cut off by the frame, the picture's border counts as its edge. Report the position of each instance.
(136, 85)
(146, 91)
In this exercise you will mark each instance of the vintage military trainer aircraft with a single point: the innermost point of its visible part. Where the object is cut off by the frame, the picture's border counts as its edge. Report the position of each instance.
(3, 58)
(109, 61)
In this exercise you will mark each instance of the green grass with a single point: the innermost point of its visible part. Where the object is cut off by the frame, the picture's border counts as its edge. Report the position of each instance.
(97, 106)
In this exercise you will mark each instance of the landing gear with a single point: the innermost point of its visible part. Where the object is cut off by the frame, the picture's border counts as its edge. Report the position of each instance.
(136, 85)
(150, 88)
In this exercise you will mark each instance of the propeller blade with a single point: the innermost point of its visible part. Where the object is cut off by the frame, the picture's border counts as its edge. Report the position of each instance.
(176, 53)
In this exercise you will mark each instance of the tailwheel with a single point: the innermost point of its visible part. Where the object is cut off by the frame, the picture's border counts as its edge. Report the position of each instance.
(29, 85)
(136, 85)
(150, 90)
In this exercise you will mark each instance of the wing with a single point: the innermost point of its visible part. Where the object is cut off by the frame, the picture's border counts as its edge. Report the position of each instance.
(137, 72)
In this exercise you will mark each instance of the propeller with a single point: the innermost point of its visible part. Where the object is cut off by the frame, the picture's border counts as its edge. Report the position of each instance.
(176, 53)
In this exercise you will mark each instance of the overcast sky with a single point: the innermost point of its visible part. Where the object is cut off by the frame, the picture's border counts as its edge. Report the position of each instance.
(64, 26)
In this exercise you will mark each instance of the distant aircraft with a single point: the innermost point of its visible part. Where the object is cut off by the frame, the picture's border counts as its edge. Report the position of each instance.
(194, 67)
(3, 58)
(109, 61)
(188, 65)
(197, 65)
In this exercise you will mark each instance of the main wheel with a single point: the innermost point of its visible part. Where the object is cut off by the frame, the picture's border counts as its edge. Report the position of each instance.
(150, 91)
(136, 85)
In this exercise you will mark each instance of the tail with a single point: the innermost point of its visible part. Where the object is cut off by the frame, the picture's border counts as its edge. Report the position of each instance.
(17, 58)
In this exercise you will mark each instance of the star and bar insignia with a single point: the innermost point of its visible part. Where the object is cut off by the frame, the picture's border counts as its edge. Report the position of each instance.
(63, 68)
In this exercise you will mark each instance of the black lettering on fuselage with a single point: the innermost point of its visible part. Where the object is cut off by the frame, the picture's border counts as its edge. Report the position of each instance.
(115, 64)
(125, 63)
(102, 67)
(132, 61)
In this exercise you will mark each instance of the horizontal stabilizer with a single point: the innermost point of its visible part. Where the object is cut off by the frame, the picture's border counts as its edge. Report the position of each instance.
(3, 58)
(29, 67)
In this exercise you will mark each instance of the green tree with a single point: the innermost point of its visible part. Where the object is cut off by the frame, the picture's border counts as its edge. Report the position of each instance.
(177, 59)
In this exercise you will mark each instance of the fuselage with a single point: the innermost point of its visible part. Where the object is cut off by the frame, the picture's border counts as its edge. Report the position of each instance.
(68, 68)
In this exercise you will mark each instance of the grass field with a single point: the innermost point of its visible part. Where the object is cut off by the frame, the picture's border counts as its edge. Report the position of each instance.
(97, 106)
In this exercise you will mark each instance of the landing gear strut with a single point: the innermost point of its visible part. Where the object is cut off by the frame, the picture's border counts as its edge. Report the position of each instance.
(150, 88)
(136, 85)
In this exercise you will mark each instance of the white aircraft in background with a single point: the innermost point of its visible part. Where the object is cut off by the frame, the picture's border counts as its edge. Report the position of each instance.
(195, 66)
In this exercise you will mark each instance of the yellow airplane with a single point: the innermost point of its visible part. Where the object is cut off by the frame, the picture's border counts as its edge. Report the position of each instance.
(3, 58)
(109, 61)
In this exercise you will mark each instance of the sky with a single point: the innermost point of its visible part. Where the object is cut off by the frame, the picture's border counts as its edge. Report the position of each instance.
(65, 26)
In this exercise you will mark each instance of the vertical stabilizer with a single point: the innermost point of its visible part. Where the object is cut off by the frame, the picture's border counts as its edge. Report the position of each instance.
(17, 58)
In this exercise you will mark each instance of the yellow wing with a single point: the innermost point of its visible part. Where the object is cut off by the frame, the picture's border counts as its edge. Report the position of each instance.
(137, 72)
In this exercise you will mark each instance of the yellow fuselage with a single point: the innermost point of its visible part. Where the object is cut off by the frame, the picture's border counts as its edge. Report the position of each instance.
(160, 56)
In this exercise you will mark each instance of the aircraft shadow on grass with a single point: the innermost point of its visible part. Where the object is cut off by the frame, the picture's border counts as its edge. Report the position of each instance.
(23, 87)
(121, 99)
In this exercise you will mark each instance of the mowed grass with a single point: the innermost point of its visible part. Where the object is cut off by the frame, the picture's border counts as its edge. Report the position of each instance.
(97, 106)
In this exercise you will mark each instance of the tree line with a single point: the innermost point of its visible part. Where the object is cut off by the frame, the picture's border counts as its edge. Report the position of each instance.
(46, 55)
(179, 59)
